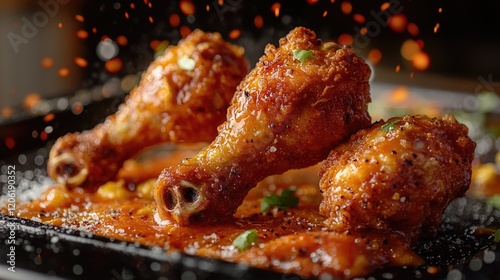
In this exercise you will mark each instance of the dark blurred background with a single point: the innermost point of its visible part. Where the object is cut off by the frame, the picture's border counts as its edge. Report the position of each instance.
(61, 56)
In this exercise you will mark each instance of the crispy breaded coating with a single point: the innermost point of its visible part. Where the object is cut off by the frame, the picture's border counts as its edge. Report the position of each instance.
(286, 114)
(397, 175)
(182, 97)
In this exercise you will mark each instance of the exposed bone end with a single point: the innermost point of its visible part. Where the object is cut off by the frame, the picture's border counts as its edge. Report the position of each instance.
(182, 202)
(65, 167)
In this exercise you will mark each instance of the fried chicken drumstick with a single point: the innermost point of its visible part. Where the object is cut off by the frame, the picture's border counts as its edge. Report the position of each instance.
(288, 112)
(183, 96)
(397, 176)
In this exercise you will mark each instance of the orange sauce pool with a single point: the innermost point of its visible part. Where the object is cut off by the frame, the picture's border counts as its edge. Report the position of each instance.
(289, 241)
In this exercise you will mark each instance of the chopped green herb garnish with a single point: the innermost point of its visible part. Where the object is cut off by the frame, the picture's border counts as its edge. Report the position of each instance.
(387, 127)
(283, 201)
(497, 235)
(186, 63)
(494, 201)
(302, 55)
(245, 240)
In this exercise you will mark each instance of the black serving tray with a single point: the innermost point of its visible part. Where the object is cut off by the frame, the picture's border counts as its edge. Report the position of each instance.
(43, 251)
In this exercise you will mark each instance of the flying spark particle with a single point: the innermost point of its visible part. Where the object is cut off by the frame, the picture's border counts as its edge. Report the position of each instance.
(275, 8)
(359, 18)
(82, 34)
(325, 13)
(235, 33)
(440, 10)
(49, 117)
(82, 62)
(436, 27)
(385, 6)
(398, 68)
(126, 15)
(80, 18)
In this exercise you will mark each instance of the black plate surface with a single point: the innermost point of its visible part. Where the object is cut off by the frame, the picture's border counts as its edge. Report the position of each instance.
(42, 250)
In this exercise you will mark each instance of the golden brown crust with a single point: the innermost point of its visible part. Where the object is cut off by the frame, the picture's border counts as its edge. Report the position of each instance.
(397, 175)
(285, 114)
(171, 103)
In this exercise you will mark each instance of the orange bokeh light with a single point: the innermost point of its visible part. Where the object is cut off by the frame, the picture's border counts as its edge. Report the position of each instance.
(421, 61)
(31, 100)
(374, 56)
(398, 22)
(114, 65)
(174, 20)
(187, 7)
(63, 72)
(47, 62)
(346, 7)
(235, 33)
(258, 21)
(345, 39)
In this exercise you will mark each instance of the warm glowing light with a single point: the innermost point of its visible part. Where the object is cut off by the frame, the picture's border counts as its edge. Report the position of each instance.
(412, 29)
(207, 7)
(440, 10)
(235, 33)
(47, 62)
(60, 25)
(409, 48)
(113, 65)
(43, 136)
(77, 108)
(346, 7)
(420, 43)
(82, 62)
(421, 61)
(258, 21)
(174, 20)
(126, 15)
(7, 112)
(10, 143)
(312, 1)
(359, 18)
(325, 13)
(398, 68)
(94, 30)
(121, 40)
(185, 31)
(151, 19)
(374, 56)
(49, 117)
(31, 100)
(436, 27)
(63, 72)
(385, 6)
(187, 7)
(398, 22)
(399, 95)
(345, 39)
(80, 18)
(363, 30)
(82, 34)
(276, 9)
